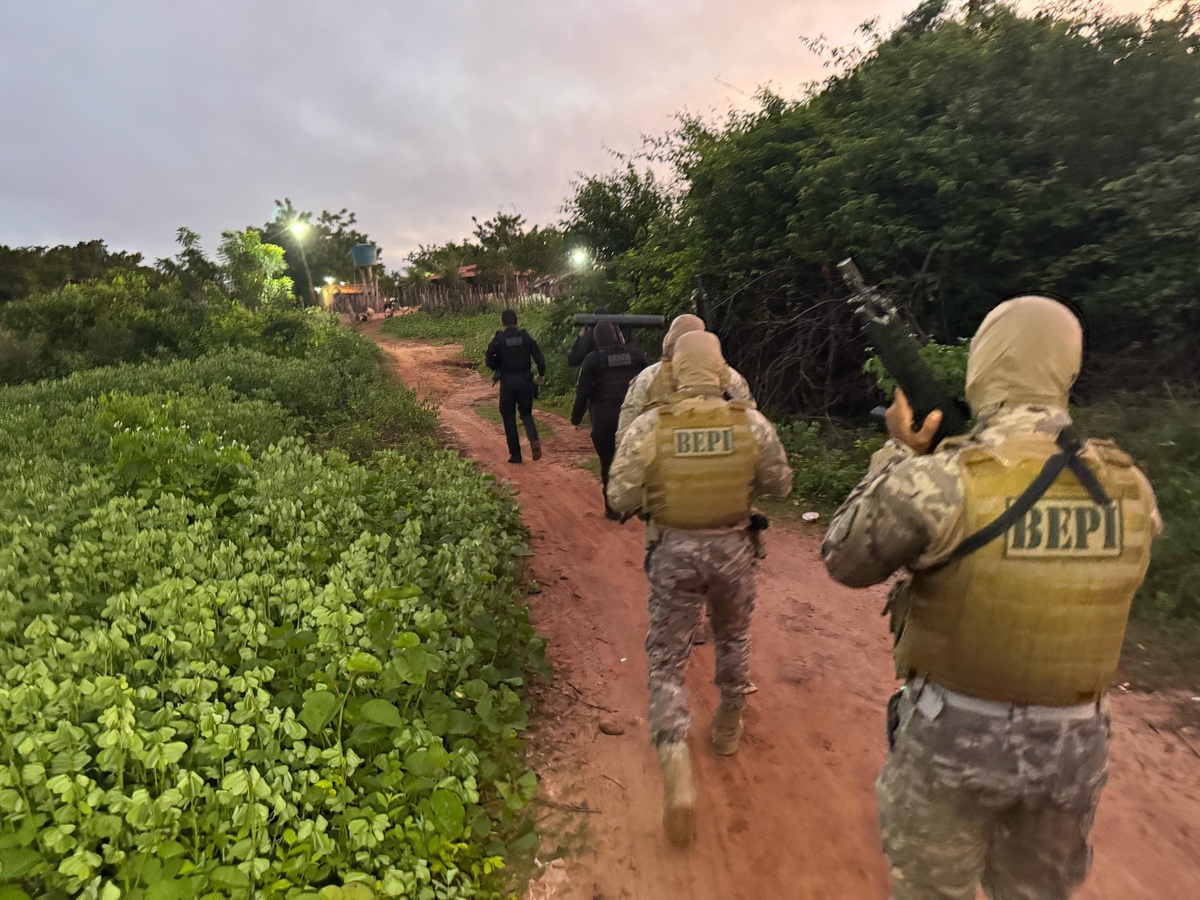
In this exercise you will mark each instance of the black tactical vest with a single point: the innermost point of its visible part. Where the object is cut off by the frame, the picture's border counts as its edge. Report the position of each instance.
(618, 366)
(515, 357)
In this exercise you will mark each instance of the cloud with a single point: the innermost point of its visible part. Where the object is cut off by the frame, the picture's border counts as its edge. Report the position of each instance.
(135, 118)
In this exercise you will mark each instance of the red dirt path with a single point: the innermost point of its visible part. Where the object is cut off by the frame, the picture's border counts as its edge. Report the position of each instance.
(792, 815)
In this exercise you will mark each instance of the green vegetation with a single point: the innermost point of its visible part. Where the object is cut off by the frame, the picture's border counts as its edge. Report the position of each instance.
(1163, 435)
(238, 662)
(972, 153)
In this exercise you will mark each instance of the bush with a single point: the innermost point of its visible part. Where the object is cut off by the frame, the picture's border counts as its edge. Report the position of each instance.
(828, 460)
(81, 326)
(236, 667)
(1163, 434)
(336, 393)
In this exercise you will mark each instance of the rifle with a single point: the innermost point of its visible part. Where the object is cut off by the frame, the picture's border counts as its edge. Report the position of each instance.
(630, 321)
(899, 352)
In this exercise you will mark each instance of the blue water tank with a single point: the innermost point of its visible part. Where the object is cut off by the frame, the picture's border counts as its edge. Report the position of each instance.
(364, 254)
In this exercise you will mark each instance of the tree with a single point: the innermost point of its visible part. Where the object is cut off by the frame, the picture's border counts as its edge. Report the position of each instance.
(26, 270)
(965, 156)
(610, 213)
(252, 272)
(325, 243)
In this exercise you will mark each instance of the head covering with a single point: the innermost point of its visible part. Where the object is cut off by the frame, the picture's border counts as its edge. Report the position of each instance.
(680, 325)
(606, 335)
(1027, 351)
(601, 311)
(698, 366)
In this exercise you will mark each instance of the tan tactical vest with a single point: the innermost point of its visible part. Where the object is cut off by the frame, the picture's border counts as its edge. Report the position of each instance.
(1038, 615)
(703, 468)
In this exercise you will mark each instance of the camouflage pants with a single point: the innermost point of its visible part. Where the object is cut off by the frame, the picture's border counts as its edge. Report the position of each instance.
(688, 572)
(968, 799)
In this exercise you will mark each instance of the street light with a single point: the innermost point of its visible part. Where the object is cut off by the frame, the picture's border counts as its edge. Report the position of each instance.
(580, 258)
(299, 228)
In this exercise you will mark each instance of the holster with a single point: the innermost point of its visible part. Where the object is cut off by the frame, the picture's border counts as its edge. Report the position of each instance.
(758, 524)
(897, 606)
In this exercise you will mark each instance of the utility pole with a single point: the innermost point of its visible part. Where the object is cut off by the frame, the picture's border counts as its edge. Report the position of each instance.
(299, 229)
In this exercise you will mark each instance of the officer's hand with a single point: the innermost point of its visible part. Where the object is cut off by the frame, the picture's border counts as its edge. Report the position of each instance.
(540, 379)
(899, 424)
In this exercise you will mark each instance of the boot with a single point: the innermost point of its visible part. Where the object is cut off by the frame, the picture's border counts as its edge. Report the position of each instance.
(679, 794)
(537, 449)
(726, 730)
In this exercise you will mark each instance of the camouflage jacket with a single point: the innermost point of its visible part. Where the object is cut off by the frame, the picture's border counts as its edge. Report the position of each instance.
(639, 392)
(909, 511)
(627, 478)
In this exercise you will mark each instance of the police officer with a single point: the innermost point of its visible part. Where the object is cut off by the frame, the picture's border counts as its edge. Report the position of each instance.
(585, 343)
(603, 380)
(652, 387)
(1010, 624)
(691, 466)
(509, 356)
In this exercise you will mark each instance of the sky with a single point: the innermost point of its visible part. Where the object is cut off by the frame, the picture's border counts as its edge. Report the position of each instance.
(126, 119)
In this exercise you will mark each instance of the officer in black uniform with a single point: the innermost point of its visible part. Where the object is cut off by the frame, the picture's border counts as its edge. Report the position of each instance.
(585, 343)
(509, 356)
(603, 380)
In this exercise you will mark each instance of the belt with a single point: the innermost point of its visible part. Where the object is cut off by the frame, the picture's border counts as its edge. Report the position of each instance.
(930, 697)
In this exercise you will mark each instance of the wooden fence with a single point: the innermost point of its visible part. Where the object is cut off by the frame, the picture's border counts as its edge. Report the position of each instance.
(472, 298)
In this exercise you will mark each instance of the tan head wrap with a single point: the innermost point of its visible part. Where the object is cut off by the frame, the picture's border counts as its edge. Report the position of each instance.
(680, 325)
(698, 366)
(1028, 350)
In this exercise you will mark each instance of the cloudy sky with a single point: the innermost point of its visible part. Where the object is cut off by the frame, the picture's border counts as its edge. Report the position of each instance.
(125, 119)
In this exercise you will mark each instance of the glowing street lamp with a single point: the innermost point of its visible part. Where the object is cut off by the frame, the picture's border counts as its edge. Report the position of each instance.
(580, 258)
(299, 229)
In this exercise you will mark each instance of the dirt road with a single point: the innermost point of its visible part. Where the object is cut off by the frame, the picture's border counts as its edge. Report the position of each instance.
(792, 815)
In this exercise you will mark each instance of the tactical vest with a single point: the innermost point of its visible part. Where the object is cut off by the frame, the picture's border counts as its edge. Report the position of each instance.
(1038, 615)
(618, 367)
(703, 467)
(515, 357)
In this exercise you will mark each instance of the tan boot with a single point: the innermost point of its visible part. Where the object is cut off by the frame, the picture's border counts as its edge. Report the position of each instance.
(726, 731)
(679, 795)
(536, 446)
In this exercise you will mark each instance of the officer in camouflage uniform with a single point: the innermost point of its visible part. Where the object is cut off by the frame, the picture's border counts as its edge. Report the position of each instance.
(654, 384)
(692, 465)
(1006, 645)
(653, 387)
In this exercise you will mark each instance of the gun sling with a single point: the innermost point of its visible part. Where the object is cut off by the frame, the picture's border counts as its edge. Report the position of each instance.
(1069, 445)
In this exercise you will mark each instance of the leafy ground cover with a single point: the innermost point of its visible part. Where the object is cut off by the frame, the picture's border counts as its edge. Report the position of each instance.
(236, 666)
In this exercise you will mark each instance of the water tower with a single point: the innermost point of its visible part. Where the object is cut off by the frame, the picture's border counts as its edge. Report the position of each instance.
(366, 263)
